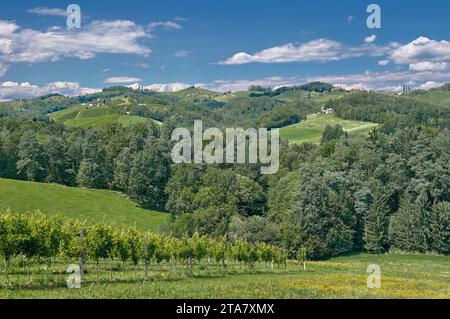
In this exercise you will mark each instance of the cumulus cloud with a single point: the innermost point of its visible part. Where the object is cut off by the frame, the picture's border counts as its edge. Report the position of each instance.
(319, 50)
(32, 46)
(162, 87)
(11, 90)
(7, 28)
(428, 66)
(422, 50)
(420, 55)
(44, 11)
(244, 84)
(387, 81)
(167, 87)
(430, 85)
(122, 79)
(370, 39)
(22, 45)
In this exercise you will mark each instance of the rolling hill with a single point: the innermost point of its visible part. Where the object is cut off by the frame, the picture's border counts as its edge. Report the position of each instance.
(78, 203)
(435, 97)
(85, 116)
(256, 107)
(310, 131)
(194, 94)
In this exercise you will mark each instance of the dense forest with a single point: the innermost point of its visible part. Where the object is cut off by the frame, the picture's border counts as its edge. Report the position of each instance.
(392, 111)
(389, 190)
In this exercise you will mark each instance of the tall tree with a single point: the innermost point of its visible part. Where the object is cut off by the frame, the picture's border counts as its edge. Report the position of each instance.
(31, 157)
(376, 226)
(438, 228)
(92, 168)
(56, 161)
(407, 226)
(122, 169)
(149, 176)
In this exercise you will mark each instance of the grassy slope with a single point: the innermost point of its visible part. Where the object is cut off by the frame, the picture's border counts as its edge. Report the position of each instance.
(402, 276)
(316, 98)
(82, 204)
(82, 116)
(192, 92)
(435, 97)
(310, 131)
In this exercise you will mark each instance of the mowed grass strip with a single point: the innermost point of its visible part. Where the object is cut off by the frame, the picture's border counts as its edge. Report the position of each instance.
(402, 276)
(78, 203)
(310, 131)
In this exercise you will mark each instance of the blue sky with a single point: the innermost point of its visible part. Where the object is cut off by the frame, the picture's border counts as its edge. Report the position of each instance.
(227, 45)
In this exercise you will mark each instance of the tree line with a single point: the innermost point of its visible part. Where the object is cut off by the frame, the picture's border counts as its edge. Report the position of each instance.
(37, 237)
(391, 111)
(386, 191)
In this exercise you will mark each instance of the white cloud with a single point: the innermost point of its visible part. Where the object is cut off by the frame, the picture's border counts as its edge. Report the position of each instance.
(370, 39)
(166, 25)
(122, 79)
(430, 85)
(168, 87)
(422, 49)
(11, 90)
(243, 84)
(350, 19)
(428, 66)
(32, 46)
(319, 50)
(21, 45)
(181, 54)
(7, 28)
(385, 81)
(44, 11)
(420, 55)
(378, 81)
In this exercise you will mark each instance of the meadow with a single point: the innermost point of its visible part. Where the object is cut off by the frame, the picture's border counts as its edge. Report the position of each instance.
(310, 131)
(78, 203)
(84, 117)
(402, 276)
(436, 97)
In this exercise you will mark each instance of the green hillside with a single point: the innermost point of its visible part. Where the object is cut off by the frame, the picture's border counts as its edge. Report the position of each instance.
(78, 203)
(83, 116)
(318, 99)
(310, 131)
(435, 97)
(195, 94)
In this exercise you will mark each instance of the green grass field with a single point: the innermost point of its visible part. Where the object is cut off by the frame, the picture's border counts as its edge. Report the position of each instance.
(435, 97)
(310, 131)
(402, 276)
(77, 203)
(83, 116)
(317, 98)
